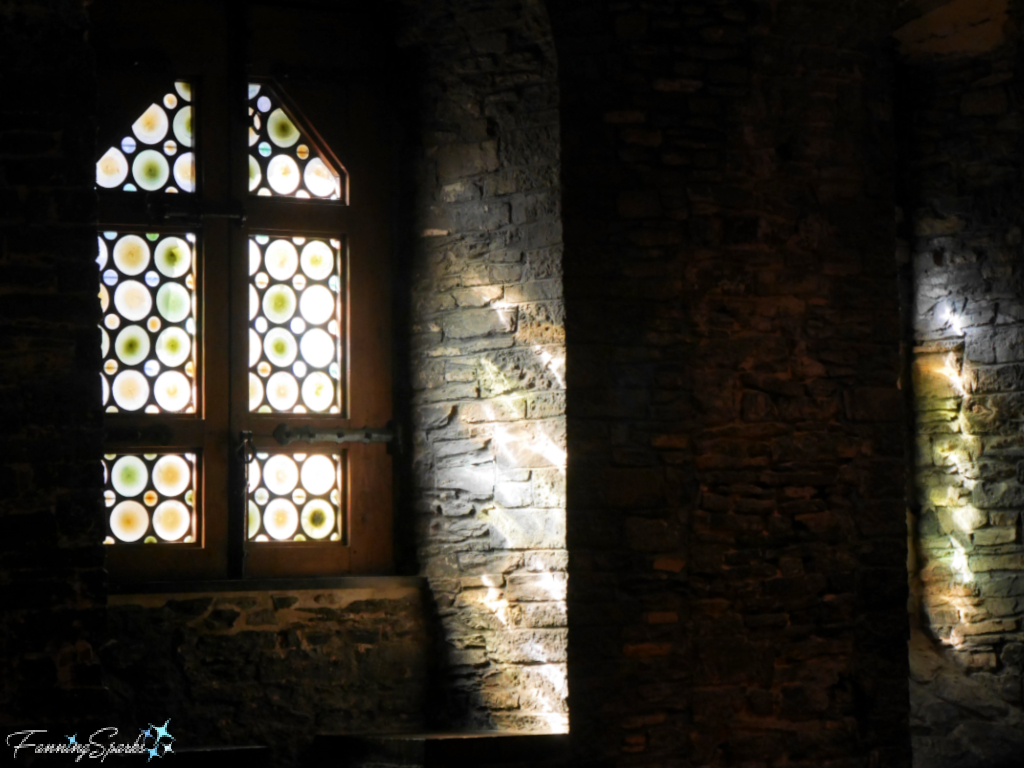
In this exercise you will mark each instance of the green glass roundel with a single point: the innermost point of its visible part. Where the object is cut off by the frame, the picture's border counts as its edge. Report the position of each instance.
(173, 257)
(172, 302)
(281, 129)
(183, 126)
(173, 346)
(318, 519)
(279, 304)
(150, 170)
(129, 476)
(132, 345)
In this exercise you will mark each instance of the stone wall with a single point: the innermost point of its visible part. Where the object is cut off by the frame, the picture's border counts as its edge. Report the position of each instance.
(736, 514)
(963, 156)
(270, 667)
(486, 358)
(52, 586)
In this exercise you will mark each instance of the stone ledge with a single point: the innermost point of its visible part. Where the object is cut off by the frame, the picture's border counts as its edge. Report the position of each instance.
(267, 585)
(425, 750)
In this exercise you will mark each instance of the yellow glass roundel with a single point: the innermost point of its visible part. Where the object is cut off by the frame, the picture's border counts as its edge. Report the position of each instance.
(171, 520)
(281, 519)
(129, 521)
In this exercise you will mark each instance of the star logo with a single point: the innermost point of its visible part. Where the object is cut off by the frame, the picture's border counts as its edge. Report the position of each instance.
(161, 730)
(147, 733)
(153, 752)
(72, 739)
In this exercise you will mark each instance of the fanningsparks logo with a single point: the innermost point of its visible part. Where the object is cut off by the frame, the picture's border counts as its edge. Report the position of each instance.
(154, 741)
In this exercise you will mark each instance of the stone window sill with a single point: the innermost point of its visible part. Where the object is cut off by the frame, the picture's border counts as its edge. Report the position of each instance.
(267, 585)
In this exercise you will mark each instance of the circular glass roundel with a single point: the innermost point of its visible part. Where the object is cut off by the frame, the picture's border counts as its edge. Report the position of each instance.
(173, 346)
(255, 392)
(281, 129)
(133, 300)
(318, 392)
(317, 348)
(185, 172)
(280, 474)
(101, 253)
(152, 126)
(255, 174)
(254, 519)
(282, 391)
(106, 388)
(255, 348)
(254, 475)
(279, 304)
(281, 519)
(173, 302)
(317, 260)
(171, 520)
(150, 170)
(104, 342)
(318, 519)
(129, 521)
(183, 126)
(173, 257)
(317, 304)
(171, 475)
(280, 346)
(129, 476)
(131, 255)
(172, 391)
(283, 174)
(319, 179)
(318, 475)
(131, 390)
(254, 258)
(282, 260)
(132, 345)
(112, 169)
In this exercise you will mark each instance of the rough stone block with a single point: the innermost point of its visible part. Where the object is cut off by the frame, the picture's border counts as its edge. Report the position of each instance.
(457, 160)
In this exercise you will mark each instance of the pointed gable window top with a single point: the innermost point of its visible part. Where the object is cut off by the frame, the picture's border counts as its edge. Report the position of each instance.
(284, 159)
(155, 153)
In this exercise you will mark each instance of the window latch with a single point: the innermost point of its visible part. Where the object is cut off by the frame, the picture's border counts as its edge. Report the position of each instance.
(246, 449)
(285, 435)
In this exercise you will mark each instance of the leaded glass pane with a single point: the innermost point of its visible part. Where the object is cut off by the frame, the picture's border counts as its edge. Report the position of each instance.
(294, 497)
(151, 498)
(295, 325)
(283, 160)
(156, 153)
(148, 335)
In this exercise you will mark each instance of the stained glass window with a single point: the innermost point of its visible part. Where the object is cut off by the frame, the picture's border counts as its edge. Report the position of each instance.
(294, 333)
(283, 158)
(294, 497)
(148, 336)
(157, 153)
(151, 497)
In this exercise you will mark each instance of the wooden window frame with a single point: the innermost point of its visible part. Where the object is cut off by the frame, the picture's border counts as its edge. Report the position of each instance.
(223, 214)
